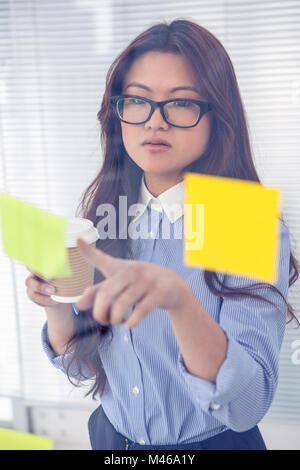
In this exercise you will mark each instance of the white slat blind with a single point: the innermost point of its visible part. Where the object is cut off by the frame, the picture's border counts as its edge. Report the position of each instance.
(54, 56)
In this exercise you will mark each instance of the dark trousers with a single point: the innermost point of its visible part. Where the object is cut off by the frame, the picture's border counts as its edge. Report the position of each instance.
(104, 436)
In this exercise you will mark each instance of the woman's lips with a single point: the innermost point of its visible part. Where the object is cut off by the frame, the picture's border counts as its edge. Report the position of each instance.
(157, 147)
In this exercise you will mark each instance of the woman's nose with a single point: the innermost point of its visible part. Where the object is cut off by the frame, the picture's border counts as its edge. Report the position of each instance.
(156, 121)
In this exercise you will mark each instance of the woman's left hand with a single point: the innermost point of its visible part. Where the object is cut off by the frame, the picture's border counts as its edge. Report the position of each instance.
(130, 282)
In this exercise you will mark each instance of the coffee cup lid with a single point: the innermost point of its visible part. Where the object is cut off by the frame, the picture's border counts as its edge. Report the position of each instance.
(78, 227)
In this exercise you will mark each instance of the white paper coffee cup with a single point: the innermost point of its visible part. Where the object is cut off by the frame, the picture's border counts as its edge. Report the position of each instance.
(70, 289)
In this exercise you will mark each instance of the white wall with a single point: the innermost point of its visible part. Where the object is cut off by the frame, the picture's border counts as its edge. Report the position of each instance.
(280, 436)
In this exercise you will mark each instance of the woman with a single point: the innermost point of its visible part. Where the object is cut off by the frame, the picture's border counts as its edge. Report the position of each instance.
(182, 358)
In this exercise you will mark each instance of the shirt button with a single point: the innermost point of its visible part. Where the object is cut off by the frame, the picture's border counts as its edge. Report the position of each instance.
(150, 235)
(142, 442)
(214, 406)
(126, 339)
(135, 390)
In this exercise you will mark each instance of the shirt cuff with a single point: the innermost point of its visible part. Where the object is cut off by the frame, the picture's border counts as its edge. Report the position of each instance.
(235, 375)
(55, 358)
(57, 362)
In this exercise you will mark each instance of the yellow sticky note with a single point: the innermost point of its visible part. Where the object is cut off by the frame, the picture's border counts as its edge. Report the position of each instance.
(34, 237)
(14, 440)
(231, 226)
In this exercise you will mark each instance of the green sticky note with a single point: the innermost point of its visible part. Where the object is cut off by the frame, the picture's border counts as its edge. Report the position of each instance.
(34, 237)
(14, 440)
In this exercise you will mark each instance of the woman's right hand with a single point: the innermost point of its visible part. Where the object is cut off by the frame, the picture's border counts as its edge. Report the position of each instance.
(60, 316)
(37, 290)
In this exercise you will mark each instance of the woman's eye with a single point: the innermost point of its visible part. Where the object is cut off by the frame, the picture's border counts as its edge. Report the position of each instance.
(136, 101)
(183, 104)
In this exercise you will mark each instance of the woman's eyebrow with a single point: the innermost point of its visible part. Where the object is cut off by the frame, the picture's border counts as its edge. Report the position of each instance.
(172, 90)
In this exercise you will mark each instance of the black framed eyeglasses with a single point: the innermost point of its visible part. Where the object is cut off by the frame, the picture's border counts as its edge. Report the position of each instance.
(179, 112)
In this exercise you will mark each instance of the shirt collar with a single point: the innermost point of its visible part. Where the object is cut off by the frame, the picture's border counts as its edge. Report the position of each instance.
(170, 201)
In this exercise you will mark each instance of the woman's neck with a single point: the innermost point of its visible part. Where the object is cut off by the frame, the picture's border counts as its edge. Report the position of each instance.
(157, 184)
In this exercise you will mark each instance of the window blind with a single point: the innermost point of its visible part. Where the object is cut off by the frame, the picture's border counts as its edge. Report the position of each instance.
(54, 56)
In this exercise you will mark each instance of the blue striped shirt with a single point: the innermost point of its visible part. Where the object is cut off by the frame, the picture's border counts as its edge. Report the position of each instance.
(150, 396)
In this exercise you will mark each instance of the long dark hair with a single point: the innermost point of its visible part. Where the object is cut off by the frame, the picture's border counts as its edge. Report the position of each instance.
(227, 154)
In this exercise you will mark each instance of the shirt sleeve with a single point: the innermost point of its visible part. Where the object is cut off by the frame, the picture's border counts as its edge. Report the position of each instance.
(57, 360)
(247, 379)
